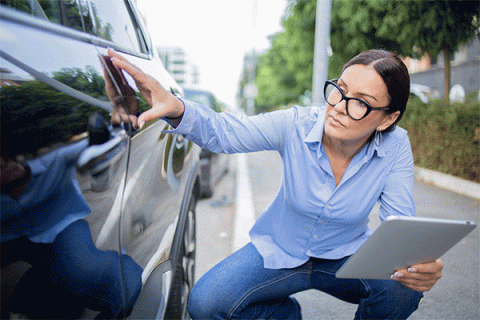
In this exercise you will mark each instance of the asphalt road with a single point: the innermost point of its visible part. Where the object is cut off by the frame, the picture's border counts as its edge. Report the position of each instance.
(455, 296)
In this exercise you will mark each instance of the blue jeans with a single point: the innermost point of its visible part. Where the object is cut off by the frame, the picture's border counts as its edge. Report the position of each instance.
(240, 287)
(76, 270)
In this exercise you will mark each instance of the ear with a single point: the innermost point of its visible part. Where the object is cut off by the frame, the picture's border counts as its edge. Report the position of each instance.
(388, 120)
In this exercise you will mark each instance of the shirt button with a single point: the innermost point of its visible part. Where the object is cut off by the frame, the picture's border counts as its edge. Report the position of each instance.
(314, 236)
(331, 179)
(309, 252)
(326, 206)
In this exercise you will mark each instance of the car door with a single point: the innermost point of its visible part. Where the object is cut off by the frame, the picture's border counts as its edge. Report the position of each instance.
(157, 219)
(114, 198)
(55, 124)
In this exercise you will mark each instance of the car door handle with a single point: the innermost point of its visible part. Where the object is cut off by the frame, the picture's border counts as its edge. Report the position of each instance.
(97, 158)
(100, 160)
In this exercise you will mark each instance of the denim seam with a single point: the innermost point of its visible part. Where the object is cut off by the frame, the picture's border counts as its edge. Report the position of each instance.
(260, 287)
(323, 271)
(365, 284)
(310, 272)
(367, 287)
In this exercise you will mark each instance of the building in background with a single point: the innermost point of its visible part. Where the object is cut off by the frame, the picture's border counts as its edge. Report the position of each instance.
(179, 65)
(465, 69)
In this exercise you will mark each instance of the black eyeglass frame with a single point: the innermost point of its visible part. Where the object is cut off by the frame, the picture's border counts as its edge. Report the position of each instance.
(344, 97)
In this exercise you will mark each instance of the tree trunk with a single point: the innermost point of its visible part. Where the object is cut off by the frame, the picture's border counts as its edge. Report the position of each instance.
(446, 75)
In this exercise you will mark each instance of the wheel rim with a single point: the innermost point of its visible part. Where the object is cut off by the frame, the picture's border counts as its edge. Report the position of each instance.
(188, 259)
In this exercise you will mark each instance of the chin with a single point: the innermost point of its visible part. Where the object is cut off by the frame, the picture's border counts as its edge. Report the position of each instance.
(335, 133)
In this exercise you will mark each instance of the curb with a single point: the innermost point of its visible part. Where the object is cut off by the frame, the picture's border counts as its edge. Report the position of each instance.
(448, 182)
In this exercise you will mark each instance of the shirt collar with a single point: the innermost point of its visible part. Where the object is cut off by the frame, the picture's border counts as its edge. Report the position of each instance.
(316, 134)
(380, 148)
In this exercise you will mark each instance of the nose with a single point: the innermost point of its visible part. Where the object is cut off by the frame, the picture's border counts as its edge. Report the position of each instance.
(341, 107)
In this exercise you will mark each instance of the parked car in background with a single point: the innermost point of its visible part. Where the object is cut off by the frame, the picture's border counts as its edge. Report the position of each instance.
(213, 166)
(422, 92)
(97, 218)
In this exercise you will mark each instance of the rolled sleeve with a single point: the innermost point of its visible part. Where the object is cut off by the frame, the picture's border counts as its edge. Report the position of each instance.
(229, 133)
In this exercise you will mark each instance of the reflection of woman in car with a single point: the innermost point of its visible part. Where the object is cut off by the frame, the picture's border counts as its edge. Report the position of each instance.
(338, 162)
(42, 219)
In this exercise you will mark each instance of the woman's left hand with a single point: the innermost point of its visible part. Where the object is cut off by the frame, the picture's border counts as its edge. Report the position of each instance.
(420, 277)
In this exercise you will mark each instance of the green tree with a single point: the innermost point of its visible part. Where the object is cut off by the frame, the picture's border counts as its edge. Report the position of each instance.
(409, 27)
(285, 71)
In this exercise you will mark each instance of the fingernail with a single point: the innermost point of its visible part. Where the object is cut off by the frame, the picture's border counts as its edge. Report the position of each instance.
(412, 270)
(140, 125)
(397, 275)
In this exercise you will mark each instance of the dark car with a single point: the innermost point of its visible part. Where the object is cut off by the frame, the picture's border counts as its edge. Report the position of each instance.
(213, 166)
(97, 217)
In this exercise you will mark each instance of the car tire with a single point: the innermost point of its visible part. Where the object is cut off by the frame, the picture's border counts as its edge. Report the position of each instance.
(184, 268)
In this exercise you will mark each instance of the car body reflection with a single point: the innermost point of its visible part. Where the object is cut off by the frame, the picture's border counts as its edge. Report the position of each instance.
(49, 216)
(96, 216)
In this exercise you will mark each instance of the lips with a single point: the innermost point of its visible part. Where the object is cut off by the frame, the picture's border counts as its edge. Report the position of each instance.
(335, 122)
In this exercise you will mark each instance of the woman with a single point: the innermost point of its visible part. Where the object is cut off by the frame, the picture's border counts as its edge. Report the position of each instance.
(338, 162)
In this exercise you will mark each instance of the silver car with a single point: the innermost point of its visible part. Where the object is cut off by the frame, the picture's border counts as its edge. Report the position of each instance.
(97, 217)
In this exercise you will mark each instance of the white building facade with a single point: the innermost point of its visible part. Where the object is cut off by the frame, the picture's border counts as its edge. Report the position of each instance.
(179, 65)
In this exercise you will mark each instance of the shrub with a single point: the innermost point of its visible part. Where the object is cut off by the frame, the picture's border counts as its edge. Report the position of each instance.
(445, 136)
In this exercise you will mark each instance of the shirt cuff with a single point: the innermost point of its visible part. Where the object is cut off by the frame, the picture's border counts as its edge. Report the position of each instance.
(175, 122)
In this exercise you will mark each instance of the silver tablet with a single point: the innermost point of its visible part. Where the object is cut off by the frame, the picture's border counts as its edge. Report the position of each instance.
(400, 242)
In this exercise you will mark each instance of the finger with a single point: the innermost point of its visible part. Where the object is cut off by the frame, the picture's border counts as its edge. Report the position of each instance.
(417, 281)
(150, 114)
(411, 275)
(136, 73)
(419, 288)
(133, 120)
(113, 54)
(431, 267)
(416, 285)
(115, 117)
(122, 63)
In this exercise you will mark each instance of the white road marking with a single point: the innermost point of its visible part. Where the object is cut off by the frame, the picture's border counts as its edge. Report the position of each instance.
(245, 211)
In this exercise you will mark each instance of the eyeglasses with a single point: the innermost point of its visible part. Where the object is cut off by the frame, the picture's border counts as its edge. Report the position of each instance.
(357, 109)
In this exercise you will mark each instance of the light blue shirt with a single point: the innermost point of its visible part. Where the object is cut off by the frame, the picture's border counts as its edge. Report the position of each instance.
(310, 216)
(51, 201)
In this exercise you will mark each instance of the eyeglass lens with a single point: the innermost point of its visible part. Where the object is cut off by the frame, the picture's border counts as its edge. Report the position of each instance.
(355, 107)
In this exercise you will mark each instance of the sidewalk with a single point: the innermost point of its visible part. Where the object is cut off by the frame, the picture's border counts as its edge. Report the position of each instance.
(448, 182)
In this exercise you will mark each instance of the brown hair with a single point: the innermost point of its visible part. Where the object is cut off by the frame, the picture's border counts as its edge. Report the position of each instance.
(393, 72)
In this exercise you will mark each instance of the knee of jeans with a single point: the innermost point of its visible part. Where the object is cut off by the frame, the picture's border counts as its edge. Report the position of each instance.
(202, 305)
(395, 301)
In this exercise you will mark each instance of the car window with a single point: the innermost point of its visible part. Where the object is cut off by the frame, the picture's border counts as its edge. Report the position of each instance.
(199, 97)
(113, 22)
(202, 97)
(110, 20)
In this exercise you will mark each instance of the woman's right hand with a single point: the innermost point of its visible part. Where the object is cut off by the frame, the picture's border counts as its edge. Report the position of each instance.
(163, 103)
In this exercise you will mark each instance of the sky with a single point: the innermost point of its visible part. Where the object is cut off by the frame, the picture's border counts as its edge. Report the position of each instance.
(215, 34)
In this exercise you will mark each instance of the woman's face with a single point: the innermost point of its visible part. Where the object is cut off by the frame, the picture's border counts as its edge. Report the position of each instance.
(362, 82)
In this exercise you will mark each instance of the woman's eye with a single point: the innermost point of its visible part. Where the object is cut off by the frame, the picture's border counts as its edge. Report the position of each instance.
(363, 104)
